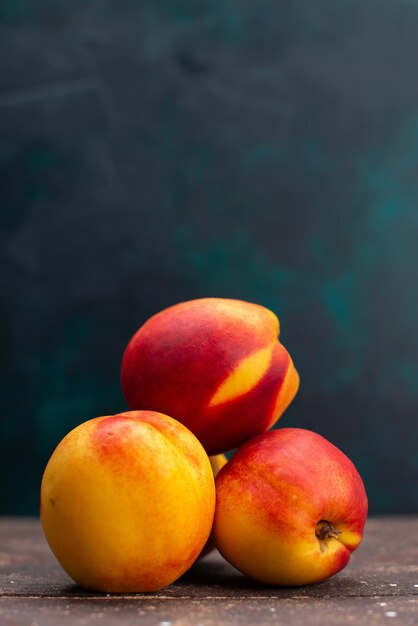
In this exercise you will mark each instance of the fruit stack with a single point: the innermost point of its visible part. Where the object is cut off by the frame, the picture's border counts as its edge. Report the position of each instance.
(130, 501)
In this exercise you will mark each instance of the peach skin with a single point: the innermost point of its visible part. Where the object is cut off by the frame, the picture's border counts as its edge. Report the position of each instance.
(214, 364)
(290, 508)
(127, 502)
(217, 462)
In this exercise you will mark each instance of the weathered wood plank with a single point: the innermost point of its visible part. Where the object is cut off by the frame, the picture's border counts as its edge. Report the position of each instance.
(203, 611)
(385, 565)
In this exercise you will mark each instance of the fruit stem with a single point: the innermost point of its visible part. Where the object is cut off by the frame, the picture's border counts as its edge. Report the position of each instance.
(325, 530)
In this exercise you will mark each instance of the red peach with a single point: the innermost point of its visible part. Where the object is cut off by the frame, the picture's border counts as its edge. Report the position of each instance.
(215, 365)
(290, 508)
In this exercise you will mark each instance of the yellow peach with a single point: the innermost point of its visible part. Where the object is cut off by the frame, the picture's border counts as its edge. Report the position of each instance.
(217, 462)
(127, 502)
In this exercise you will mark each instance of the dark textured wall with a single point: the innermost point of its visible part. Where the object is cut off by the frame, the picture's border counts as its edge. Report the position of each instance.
(155, 152)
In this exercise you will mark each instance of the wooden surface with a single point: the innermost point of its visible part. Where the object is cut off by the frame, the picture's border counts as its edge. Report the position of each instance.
(379, 586)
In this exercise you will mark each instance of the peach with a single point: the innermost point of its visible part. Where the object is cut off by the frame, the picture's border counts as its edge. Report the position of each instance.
(290, 508)
(217, 462)
(214, 364)
(127, 502)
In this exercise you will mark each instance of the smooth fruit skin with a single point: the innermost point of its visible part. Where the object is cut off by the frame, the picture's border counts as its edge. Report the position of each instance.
(270, 500)
(127, 502)
(214, 364)
(217, 462)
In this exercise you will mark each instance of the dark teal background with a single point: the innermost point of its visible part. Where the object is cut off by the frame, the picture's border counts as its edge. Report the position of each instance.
(152, 152)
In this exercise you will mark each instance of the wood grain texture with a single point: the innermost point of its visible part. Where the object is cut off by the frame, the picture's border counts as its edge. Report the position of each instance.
(380, 583)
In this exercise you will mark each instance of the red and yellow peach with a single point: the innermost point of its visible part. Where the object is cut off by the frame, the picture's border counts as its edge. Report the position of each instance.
(290, 508)
(214, 364)
(127, 502)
